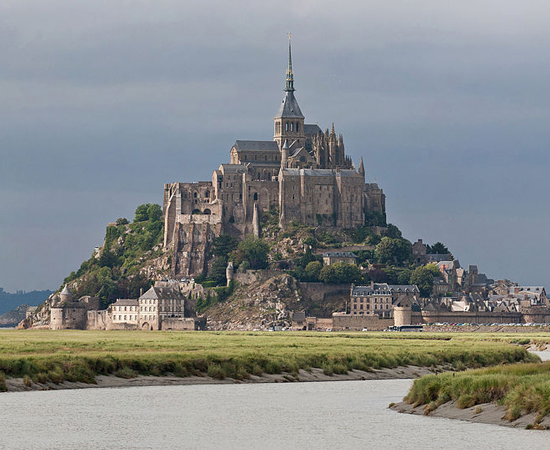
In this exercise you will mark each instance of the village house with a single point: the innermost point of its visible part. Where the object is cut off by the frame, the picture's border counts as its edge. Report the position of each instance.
(337, 257)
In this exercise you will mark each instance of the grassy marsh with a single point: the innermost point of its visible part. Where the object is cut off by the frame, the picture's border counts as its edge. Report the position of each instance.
(56, 356)
(520, 388)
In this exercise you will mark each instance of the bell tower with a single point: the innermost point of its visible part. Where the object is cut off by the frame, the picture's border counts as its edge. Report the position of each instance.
(289, 121)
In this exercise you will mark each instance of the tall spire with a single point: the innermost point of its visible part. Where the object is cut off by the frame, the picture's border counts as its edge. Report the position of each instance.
(289, 87)
(362, 168)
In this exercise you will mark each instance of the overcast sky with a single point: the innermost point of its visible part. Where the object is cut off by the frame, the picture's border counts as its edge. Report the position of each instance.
(102, 102)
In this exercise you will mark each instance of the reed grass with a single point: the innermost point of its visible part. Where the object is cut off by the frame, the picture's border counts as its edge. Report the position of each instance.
(70, 355)
(521, 388)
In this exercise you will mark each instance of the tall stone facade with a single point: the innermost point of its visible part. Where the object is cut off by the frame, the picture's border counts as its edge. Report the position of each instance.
(304, 173)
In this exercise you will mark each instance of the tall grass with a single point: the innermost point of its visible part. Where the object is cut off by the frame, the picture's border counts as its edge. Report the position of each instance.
(57, 356)
(521, 388)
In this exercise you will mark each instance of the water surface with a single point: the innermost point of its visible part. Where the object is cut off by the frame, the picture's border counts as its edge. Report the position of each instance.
(330, 415)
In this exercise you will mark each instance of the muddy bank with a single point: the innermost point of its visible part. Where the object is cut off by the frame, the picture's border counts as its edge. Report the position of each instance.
(489, 413)
(102, 381)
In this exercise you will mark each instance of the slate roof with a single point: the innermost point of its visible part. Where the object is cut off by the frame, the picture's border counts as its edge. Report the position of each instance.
(233, 168)
(159, 293)
(256, 145)
(289, 107)
(311, 129)
(340, 254)
(347, 173)
(383, 288)
(126, 302)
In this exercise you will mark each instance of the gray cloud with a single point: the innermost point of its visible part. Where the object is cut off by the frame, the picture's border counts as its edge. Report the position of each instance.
(103, 102)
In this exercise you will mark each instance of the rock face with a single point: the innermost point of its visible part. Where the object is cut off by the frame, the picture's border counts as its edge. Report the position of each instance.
(270, 302)
(260, 305)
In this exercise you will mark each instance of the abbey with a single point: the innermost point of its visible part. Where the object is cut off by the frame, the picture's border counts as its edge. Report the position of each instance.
(303, 173)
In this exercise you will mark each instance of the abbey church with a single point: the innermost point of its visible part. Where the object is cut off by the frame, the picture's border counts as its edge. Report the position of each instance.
(303, 173)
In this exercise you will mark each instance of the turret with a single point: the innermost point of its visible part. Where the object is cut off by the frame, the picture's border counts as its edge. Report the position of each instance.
(229, 272)
(256, 221)
(284, 155)
(65, 295)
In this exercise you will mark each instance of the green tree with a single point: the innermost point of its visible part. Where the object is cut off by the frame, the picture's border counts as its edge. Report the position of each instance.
(423, 278)
(393, 251)
(107, 259)
(434, 269)
(141, 213)
(154, 212)
(393, 232)
(438, 249)
(224, 244)
(340, 273)
(218, 270)
(312, 271)
(404, 276)
(253, 250)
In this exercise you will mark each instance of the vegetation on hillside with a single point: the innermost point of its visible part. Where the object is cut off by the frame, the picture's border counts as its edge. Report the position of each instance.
(115, 272)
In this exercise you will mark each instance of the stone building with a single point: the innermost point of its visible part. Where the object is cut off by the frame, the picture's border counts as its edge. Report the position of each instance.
(303, 173)
(336, 257)
(158, 305)
(162, 307)
(70, 314)
(125, 311)
(379, 298)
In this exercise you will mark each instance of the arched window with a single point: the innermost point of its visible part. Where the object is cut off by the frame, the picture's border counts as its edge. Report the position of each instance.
(194, 195)
(207, 194)
(207, 212)
(196, 211)
(286, 126)
(297, 126)
(255, 196)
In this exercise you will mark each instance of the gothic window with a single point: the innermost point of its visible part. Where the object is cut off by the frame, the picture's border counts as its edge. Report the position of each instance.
(255, 196)
(194, 194)
(292, 126)
(286, 126)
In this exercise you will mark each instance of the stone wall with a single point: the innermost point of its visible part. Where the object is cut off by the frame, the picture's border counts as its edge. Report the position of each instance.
(466, 317)
(180, 324)
(351, 322)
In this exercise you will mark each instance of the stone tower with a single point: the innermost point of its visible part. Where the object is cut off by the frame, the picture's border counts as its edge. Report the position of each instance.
(65, 295)
(289, 121)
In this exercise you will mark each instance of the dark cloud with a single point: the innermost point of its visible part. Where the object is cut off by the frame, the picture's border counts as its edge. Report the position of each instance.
(103, 102)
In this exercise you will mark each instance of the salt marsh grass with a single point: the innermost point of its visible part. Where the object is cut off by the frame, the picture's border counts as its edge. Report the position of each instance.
(56, 356)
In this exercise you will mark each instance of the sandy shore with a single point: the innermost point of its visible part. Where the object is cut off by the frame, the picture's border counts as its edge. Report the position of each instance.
(102, 381)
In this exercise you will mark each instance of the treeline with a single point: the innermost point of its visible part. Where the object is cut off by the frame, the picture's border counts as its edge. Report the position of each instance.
(10, 301)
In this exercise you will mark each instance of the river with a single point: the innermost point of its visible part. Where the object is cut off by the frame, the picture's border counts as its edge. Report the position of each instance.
(322, 415)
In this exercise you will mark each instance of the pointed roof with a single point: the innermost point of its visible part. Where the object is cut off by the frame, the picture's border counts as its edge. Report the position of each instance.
(361, 167)
(66, 291)
(289, 107)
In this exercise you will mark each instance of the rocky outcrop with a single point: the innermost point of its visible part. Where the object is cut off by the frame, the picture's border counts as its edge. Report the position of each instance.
(12, 318)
